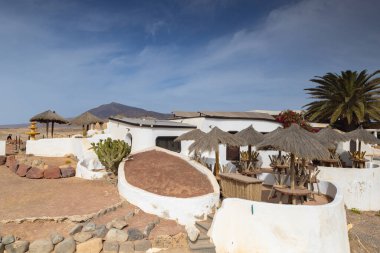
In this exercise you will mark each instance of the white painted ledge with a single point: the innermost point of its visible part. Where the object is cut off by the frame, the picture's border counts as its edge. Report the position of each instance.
(250, 226)
(360, 187)
(184, 210)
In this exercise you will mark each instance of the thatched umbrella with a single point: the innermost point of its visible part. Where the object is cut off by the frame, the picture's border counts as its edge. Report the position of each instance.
(84, 120)
(191, 135)
(298, 142)
(330, 137)
(362, 135)
(47, 117)
(250, 137)
(210, 142)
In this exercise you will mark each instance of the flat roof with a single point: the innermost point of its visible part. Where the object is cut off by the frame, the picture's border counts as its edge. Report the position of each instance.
(225, 115)
(152, 123)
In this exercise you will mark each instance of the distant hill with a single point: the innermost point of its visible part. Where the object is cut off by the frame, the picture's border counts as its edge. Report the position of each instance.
(116, 109)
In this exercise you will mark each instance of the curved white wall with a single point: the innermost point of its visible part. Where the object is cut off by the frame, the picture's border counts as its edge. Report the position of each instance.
(281, 228)
(2, 147)
(360, 187)
(184, 210)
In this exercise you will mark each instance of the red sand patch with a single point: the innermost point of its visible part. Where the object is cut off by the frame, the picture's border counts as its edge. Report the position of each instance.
(164, 174)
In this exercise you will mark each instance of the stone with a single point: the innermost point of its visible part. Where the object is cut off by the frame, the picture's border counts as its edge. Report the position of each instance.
(192, 232)
(10, 160)
(126, 247)
(22, 170)
(17, 247)
(119, 223)
(135, 234)
(82, 236)
(7, 239)
(116, 235)
(67, 172)
(56, 237)
(52, 173)
(100, 231)
(110, 247)
(64, 166)
(129, 215)
(35, 173)
(13, 167)
(77, 228)
(109, 225)
(66, 246)
(88, 227)
(37, 163)
(148, 228)
(2, 247)
(3, 160)
(94, 245)
(41, 246)
(142, 245)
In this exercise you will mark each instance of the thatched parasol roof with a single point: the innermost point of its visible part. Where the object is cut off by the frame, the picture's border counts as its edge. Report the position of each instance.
(296, 140)
(277, 130)
(86, 118)
(211, 140)
(362, 135)
(330, 137)
(49, 116)
(191, 135)
(250, 136)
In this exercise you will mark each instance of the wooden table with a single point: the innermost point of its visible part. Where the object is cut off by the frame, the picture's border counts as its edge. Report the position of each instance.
(330, 162)
(235, 185)
(292, 194)
(280, 177)
(358, 163)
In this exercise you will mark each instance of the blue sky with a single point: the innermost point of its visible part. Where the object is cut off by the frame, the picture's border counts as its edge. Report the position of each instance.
(226, 55)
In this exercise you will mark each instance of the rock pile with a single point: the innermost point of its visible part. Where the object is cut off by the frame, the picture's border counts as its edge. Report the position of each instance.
(37, 169)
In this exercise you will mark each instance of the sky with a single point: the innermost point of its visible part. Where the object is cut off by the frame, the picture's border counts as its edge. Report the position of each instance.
(166, 55)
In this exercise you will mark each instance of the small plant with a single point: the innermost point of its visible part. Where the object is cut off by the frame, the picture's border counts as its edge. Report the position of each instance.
(111, 153)
(355, 210)
(68, 162)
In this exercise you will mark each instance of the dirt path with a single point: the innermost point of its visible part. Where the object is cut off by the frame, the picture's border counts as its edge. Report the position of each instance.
(167, 175)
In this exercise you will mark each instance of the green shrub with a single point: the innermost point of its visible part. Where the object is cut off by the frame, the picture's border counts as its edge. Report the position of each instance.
(355, 210)
(111, 153)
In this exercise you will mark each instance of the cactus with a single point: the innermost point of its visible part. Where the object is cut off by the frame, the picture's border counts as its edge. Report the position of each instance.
(111, 152)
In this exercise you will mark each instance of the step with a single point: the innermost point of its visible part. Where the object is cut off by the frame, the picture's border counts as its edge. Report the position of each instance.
(203, 225)
(210, 216)
(202, 237)
(200, 246)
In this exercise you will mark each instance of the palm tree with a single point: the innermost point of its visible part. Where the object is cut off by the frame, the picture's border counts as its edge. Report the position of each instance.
(347, 100)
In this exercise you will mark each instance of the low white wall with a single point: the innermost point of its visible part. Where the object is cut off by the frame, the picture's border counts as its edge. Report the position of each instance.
(360, 187)
(88, 169)
(184, 210)
(2, 147)
(281, 228)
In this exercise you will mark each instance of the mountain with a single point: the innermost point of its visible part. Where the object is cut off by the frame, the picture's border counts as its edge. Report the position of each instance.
(116, 109)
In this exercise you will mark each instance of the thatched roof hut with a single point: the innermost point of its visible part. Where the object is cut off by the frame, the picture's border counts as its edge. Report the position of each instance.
(249, 136)
(191, 135)
(47, 117)
(362, 135)
(86, 119)
(330, 137)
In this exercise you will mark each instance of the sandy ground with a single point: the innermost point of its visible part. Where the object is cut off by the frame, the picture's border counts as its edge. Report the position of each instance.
(167, 175)
(59, 132)
(23, 197)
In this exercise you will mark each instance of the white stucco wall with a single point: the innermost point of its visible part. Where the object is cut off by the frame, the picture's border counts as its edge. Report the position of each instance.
(360, 187)
(89, 168)
(2, 148)
(184, 210)
(281, 228)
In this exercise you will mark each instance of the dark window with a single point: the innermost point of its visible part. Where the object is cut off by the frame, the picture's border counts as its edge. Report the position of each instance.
(168, 143)
(232, 152)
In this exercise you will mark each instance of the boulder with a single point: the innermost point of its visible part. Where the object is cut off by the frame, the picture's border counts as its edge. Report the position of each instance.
(90, 226)
(7, 239)
(10, 159)
(129, 215)
(135, 234)
(13, 167)
(35, 173)
(100, 231)
(82, 236)
(38, 163)
(77, 228)
(110, 247)
(56, 237)
(41, 246)
(94, 245)
(119, 223)
(52, 173)
(3, 160)
(66, 246)
(22, 170)
(148, 228)
(67, 172)
(126, 247)
(17, 247)
(142, 245)
(116, 235)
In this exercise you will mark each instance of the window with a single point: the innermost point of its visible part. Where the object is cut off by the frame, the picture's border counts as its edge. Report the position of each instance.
(232, 152)
(167, 142)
